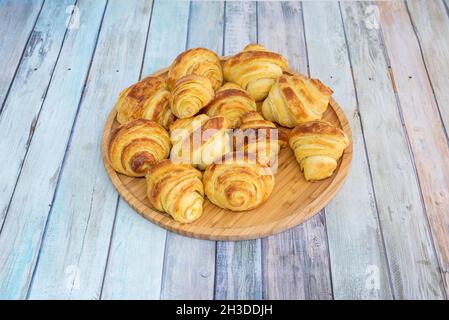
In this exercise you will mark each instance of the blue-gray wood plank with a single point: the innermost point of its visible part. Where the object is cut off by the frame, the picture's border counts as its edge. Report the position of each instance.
(66, 234)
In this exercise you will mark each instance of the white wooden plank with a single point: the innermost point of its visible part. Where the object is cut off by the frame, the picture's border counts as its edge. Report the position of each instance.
(17, 19)
(167, 34)
(431, 24)
(134, 269)
(21, 109)
(206, 25)
(238, 270)
(354, 236)
(419, 111)
(136, 256)
(296, 262)
(74, 251)
(240, 26)
(196, 258)
(22, 232)
(238, 264)
(413, 264)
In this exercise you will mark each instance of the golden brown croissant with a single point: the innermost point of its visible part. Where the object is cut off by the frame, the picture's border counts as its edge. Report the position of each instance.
(147, 99)
(238, 183)
(296, 99)
(255, 70)
(190, 94)
(137, 145)
(199, 140)
(259, 137)
(198, 61)
(318, 145)
(231, 102)
(176, 189)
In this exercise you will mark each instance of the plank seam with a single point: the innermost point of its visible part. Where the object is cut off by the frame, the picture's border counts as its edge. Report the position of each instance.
(425, 68)
(328, 252)
(224, 29)
(257, 21)
(64, 158)
(445, 5)
(188, 25)
(390, 282)
(415, 171)
(109, 248)
(214, 297)
(33, 125)
(21, 58)
(259, 241)
(146, 41)
(164, 264)
(305, 43)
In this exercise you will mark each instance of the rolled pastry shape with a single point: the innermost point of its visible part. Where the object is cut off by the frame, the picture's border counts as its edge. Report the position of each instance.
(147, 99)
(190, 94)
(238, 182)
(200, 140)
(255, 69)
(296, 99)
(259, 137)
(231, 102)
(176, 189)
(200, 61)
(317, 146)
(136, 145)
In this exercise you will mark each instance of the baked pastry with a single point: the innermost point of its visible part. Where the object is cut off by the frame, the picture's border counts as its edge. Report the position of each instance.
(231, 102)
(318, 145)
(176, 189)
(147, 99)
(135, 146)
(255, 70)
(199, 140)
(296, 99)
(238, 182)
(190, 94)
(259, 137)
(198, 61)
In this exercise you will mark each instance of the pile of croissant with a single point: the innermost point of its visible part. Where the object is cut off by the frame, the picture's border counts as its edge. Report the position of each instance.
(193, 119)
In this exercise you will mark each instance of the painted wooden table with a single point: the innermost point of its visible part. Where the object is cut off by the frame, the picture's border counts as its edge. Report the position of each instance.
(66, 234)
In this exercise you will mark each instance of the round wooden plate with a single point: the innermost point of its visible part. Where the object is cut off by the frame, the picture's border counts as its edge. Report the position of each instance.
(293, 200)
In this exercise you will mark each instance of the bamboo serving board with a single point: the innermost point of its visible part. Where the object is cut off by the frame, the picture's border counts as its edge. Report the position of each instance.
(293, 200)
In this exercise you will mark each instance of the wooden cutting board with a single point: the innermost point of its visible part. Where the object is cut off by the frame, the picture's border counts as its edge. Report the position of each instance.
(293, 200)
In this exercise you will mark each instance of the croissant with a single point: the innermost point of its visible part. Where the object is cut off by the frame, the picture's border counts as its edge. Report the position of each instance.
(176, 189)
(137, 145)
(317, 145)
(231, 102)
(147, 99)
(238, 183)
(190, 94)
(296, 99)
(255, 70)
(198, 61)
(259, 137)
(199, 140)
